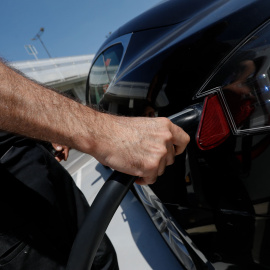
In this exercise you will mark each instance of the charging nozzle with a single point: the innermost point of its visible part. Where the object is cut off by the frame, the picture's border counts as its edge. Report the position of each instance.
(189, 118)
(109, 198)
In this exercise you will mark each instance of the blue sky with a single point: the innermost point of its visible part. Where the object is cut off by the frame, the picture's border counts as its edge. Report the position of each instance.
(72, 27)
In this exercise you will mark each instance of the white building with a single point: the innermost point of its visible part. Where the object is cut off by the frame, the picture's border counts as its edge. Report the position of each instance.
(66, 74)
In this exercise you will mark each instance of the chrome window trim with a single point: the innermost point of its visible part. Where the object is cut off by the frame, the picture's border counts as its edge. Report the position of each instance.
(123, 40)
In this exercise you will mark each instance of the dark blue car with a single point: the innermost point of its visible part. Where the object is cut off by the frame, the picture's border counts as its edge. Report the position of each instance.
(212, 56)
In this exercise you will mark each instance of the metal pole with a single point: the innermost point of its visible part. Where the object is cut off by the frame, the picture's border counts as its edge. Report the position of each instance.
(44, 46)
(38, 36)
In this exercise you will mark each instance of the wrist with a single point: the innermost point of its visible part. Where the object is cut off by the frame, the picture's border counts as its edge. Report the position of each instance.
(93, 132)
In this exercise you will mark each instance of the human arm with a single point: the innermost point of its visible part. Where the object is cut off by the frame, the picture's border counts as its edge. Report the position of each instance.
(137, 146)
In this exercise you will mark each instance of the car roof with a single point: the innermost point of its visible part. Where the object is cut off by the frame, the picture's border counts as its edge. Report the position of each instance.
(165, 13)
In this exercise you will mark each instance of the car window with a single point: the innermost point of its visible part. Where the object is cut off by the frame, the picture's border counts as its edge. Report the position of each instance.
(103, 72)
(243, 82)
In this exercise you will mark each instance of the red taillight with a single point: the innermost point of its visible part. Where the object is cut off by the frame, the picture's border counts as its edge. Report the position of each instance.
(213, 128)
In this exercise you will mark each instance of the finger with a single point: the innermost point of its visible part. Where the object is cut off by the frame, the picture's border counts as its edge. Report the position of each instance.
(149, 180)
(58, 159)
(66, 152)
(180, 139)
(162, 166)
(57, 147)
(170, 155)
(140, 181)
(168, 160)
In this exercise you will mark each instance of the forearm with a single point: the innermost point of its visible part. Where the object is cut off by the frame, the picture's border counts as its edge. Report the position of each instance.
(139, 146)
(32, 110)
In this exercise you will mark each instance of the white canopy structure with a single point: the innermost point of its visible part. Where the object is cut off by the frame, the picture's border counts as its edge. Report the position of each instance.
(67, 74)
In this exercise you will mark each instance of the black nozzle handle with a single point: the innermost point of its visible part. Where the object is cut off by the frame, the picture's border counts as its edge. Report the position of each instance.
(97, 220)
(189, 117)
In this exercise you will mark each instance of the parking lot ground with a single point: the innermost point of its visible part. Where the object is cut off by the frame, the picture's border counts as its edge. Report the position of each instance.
(135, 238)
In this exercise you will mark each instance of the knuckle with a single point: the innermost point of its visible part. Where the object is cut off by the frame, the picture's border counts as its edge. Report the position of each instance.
(154, 165)
(163, 151)
(139, 173)
(164, 121)
(168, 136)
(186, 138)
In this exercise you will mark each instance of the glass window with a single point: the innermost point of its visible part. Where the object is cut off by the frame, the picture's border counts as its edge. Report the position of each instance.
(103, 72)
(243, 82)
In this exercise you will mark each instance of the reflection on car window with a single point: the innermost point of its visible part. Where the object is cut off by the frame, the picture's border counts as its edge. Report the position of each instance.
(103, 72)
(244, 84)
